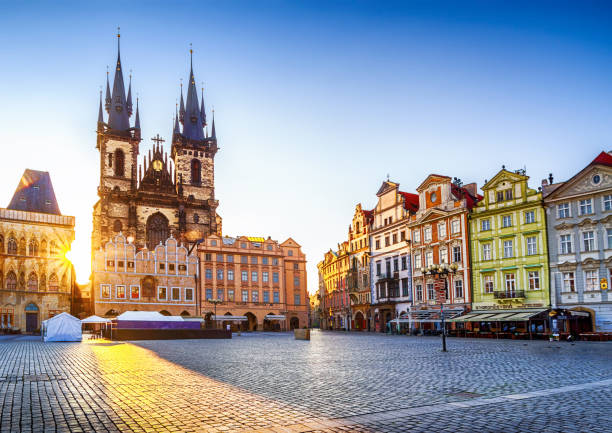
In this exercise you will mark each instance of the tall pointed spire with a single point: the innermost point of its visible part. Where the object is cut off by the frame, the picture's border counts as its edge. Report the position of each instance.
(192, 123)
(177, 129)
(137, 120)
(182, 106)
(100, 115)
(213, 134)
(107, 102)
(129, 97)
(118, 118)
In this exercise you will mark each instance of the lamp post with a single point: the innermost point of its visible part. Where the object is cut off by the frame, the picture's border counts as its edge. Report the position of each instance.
(438, 272)
(215, 302)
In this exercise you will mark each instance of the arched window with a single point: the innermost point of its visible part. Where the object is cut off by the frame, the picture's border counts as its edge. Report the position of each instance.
(1, 246)
(53, 283)
(119, 163)
(157, 230)
(117, 226)
(33, 248)
(52, 248)
(11, 281)
(32, 282)
(12, 246)
(196, 172)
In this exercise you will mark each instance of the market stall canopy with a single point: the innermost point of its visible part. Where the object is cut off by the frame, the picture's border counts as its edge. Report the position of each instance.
(514, 315)
(62, 327)
(95, 319)
(231, 318)
(275, 317)
(148, 316)
(432, 315)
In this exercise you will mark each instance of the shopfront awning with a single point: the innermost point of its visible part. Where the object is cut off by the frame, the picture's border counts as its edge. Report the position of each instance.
(275, 317)
(230, 318)
(579, 313)
(518, 315)
(432, 315)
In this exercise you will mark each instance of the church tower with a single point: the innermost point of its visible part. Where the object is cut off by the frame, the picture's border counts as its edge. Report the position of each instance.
(117, 143)
(193, 152)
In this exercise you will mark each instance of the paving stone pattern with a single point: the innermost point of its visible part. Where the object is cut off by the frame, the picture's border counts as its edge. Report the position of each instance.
(336, 382)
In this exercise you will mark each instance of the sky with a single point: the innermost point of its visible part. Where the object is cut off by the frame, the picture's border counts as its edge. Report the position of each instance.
(315, 102)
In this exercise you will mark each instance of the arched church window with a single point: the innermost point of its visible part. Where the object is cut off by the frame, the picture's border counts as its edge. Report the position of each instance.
(32, 282)
(1, 246)
(117, 226)
(196, 172)
(157, 230)
(33, 247)
(11, 281)
(53, 283)
(119, 163)
(12, 246)
(110, 160)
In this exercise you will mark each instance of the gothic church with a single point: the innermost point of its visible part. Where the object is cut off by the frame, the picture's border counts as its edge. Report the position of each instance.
(162, 197)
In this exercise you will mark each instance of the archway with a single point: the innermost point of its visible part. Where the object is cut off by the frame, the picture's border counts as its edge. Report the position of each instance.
(359, 321)
(252, 321)
(111, 313)
(31, 313)
(185, 313)
(231, 324)
(269, 325)
(165, 313)
(157, 230)
(294, 323)
(582, 324)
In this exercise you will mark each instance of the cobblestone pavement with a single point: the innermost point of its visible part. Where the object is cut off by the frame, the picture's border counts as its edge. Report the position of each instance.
(336, 382)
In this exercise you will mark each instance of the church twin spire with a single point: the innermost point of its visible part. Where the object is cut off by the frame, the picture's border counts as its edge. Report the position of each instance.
(191, 114)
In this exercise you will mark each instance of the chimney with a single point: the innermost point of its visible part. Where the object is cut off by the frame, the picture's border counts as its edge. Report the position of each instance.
(550, 178)
(471, 188)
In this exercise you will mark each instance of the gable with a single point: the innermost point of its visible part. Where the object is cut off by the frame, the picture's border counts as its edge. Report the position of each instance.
(585, 182)
(504, 178)
(290, 243)
(433, 179)
(386, 187)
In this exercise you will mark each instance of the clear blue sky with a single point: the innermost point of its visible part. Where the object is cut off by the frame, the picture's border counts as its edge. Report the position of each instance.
(315, 101)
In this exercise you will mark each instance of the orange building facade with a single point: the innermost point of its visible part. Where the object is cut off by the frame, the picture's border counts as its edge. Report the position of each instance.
(260, 279)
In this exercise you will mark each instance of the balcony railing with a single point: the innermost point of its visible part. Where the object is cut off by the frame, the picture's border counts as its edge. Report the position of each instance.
(510, 294)
(388, 276)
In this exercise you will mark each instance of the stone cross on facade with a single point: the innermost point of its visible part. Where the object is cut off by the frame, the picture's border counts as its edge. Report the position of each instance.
(157, 139)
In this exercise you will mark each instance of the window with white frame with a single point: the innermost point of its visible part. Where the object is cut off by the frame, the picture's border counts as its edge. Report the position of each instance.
(489, 285)
(534, 280)
(607, 202)
(134, 292)
(455, 228)
(230, 274)
(244, 275)
(419, 292)
(245, 296)
(566, 244)
(162, 293)
(189, 294)
(442, 230)
(510, 282)
(120, 292)
(431, 293)
(486, 251)
(590, 280)
(508, 251)
(429, 258)
(588, 240)
(105, 291)
(569, 283)
(507, 221)
(585, 207)
(529, 217)
(563, 210)
(458, 288)
(456, 254)
(175, 293)
(485, 225)
(443, 255)
(416, 236)
(427, 234)
(532, 245)
(417, 261)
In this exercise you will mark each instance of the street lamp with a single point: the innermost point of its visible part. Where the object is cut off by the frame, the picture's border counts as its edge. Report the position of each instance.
(215, 302)
(438, 272)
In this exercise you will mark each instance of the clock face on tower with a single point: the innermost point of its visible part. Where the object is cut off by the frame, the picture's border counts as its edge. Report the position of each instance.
(157, 165)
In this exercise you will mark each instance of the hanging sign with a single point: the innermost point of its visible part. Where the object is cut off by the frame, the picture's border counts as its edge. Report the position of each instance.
(603, 284)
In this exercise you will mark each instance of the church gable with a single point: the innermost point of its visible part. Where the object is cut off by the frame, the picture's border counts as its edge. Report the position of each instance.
(157, 177)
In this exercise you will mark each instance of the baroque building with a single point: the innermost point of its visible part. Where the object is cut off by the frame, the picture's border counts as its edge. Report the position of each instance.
(359, 268)
(390, 259)
(162, 197)
(36, 278)
(335, 303)
(579, 215)
(260, 281)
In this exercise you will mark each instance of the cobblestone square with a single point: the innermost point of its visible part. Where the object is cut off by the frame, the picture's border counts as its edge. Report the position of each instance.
(269, 382)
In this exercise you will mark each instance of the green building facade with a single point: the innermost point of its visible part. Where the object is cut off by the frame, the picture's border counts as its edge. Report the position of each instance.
(509, 252)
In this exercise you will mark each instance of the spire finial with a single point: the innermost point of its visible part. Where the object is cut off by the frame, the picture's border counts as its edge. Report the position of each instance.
(191, 54)
(118, 39)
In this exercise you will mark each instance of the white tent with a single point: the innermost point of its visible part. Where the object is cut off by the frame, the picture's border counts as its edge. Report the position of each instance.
(62, 327)
(95, 319)
(148, 316)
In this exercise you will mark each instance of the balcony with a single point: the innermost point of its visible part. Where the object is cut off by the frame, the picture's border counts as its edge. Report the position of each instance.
(511, 294)
(394, 276)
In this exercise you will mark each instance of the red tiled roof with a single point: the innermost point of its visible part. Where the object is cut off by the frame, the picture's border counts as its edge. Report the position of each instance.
(411, 201)
(460, 193)
(604, 158)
